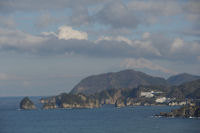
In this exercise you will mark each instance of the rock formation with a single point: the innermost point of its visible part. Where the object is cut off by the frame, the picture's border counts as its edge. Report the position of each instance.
(185, 111)
(27, 104)
(65, 100)
(120, 103)
(49, 106)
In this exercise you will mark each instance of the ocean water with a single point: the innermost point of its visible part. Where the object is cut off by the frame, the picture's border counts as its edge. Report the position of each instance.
(107, 119)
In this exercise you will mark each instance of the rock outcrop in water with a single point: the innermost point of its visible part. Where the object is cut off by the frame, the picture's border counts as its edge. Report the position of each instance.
(27, 104)
(65, 100)
(186, 111)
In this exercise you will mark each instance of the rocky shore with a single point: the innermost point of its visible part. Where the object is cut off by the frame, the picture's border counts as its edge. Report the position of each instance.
(185, 111)
(69, 101)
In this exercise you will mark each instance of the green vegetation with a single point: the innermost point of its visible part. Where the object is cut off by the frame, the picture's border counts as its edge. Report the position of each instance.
(182, 78)
(123, 79)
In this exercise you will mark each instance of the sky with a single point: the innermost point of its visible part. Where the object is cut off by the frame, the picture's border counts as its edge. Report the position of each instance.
(48, 46)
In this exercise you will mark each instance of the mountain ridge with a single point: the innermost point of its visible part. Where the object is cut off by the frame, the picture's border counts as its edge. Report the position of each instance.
(123, 79)
(128, 78)
(182, 78)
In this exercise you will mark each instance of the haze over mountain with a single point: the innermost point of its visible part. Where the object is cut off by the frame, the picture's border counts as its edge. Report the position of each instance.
(182, 78)
(116, 80)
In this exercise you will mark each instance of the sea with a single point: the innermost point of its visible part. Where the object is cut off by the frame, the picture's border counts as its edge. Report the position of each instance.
(107, 119)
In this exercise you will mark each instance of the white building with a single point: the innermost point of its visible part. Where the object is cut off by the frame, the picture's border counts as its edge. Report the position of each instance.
(147, 94)
(161, 99)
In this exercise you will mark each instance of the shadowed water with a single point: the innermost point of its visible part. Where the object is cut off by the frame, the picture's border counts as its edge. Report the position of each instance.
(107, 119)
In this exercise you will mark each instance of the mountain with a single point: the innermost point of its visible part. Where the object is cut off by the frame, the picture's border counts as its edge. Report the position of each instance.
(191, 89)
(182, 78)
(123, 79)
(186, 90)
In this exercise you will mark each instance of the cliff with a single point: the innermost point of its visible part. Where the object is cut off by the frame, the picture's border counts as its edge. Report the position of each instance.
(65, 100)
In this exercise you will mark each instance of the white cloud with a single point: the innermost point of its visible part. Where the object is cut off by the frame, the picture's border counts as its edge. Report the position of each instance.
(145, 44)
(118, 38)
(66, 40)
(144, 63)
(51, 33)
(66, 32)
(177, 44)
(184, 48)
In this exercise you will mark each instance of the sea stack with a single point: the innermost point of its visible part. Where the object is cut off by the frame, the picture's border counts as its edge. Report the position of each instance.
(27, 104)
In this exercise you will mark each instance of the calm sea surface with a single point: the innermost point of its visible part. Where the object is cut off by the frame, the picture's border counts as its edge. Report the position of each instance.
(107, 119)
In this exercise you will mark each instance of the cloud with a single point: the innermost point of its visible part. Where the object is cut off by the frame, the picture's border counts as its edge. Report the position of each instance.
(117, 15)
(68, 41)
(184, 49)
(9, 6)
(66, 32)
(155, 7)
(7, 22)
(131, 14)
(146, 35)
(177, 44)
(193, 32)
(80, 16)
(144, 46)
(18, 38)
(118, 38)
(144, 63)
(46, 20)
